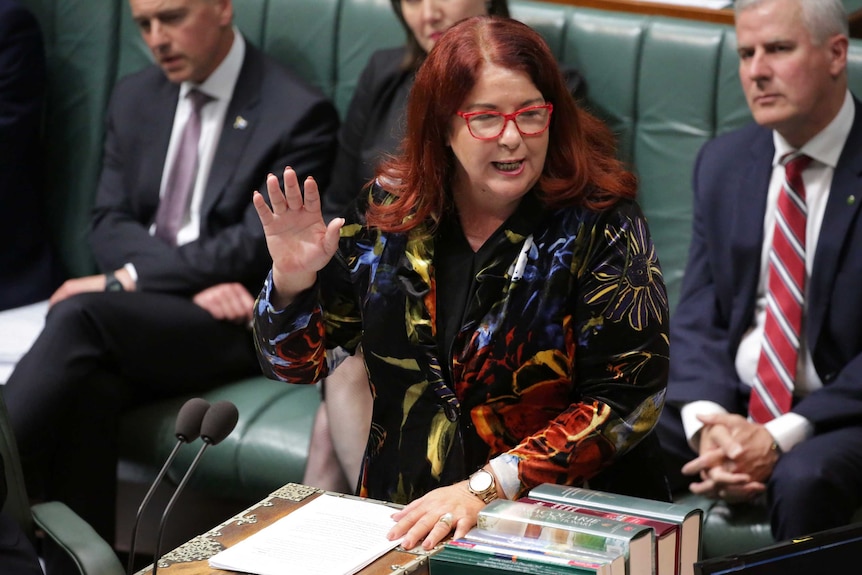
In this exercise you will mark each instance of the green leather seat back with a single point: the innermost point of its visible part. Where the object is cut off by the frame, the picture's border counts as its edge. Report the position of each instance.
(364, 27)
(302, 36)
(267, 449)
(80, 36)
(654, 81)
(133, 54)
(605, 47)
(675, 117)
(551, 21)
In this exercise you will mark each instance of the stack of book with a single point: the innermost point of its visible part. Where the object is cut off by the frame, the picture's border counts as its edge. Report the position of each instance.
(559, 530)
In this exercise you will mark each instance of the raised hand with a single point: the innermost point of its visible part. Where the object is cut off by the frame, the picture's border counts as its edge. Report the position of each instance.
(299, 241)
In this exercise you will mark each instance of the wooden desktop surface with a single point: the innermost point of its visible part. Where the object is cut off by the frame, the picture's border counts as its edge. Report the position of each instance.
(722, 16)
(191, 558)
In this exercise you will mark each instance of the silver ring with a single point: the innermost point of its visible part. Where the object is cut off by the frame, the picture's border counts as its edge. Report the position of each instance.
(446, 519)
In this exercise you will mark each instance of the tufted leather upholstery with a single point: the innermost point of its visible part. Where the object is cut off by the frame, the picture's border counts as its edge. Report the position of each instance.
(664, 85)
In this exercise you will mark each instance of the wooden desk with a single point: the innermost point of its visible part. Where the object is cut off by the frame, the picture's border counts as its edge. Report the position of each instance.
(722, 16)
(191, 558)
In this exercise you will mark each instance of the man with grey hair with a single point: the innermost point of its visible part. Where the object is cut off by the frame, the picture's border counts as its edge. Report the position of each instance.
(765, 392)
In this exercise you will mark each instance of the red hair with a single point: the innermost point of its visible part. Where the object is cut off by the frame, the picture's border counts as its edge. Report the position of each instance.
(581, 167)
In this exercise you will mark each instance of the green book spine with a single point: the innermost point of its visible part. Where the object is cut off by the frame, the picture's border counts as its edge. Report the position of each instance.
(600, 561)
(454, 561)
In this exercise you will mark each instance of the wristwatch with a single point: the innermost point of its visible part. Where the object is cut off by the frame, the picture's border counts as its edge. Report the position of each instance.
(112, 283)
(482, 485)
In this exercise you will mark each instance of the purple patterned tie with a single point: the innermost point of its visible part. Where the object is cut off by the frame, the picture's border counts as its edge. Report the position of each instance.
(772, 393)
(181, 179)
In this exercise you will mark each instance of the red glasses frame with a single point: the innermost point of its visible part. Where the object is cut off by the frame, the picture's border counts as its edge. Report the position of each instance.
(506, 118)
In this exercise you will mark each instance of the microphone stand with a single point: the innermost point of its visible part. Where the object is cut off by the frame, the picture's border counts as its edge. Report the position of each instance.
(218, 422)
(188, 427)
(173, 500)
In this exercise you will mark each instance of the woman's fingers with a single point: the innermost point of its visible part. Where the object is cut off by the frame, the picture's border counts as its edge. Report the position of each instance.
(276, 196)
(292, 191)
(312, 195)
(333, 234)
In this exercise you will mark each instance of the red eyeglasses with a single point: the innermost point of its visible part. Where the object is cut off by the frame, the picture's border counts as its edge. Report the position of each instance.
(489, 125)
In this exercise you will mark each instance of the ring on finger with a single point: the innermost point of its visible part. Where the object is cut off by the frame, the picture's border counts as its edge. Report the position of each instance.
(446, 519)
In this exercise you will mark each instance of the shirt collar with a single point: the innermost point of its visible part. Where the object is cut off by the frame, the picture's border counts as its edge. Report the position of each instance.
(827, 145)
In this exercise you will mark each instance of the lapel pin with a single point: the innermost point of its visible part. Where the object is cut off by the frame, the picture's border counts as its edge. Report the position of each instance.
(851, 200)
(240, 123)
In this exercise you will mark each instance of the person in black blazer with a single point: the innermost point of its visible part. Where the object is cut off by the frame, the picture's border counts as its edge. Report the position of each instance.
(163, 320)
(808, 462)
(28, 269)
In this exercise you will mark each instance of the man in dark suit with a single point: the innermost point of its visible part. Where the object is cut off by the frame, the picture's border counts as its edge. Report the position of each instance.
(28, 272)
(808, 460)
(170, 314)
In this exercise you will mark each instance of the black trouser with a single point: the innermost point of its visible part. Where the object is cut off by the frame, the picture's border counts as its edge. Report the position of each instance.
(99, 355)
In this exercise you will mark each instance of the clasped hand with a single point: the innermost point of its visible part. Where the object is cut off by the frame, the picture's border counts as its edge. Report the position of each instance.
(736, 458)
(299, 241)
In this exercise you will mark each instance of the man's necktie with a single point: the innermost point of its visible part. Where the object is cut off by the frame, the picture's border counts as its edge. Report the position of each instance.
(772, 392)
(181, 179)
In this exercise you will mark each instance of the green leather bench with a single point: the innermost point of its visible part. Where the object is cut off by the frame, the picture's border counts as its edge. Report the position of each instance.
(664, 85)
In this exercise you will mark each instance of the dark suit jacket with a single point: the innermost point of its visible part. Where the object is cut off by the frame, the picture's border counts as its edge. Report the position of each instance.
(27, 268)
(717, 302)
(286, 123)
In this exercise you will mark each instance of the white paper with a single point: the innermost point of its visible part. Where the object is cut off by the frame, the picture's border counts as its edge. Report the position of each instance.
(328, 536)
(19, 328)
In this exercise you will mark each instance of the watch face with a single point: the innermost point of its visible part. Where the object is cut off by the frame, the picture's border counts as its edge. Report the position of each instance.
(480, 481)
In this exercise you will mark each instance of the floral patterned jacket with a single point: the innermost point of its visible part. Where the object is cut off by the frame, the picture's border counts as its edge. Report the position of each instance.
(561, 360)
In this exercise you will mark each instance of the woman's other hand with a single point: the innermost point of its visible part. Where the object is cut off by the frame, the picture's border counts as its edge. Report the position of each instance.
(435, 515)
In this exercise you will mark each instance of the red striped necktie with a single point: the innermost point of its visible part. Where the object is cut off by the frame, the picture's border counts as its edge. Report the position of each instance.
(772, 393)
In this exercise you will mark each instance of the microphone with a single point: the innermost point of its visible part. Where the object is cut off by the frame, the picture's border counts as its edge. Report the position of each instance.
(186, 430)
(217, 424)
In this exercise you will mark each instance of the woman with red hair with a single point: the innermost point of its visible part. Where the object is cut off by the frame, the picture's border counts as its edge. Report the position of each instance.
(502, 283)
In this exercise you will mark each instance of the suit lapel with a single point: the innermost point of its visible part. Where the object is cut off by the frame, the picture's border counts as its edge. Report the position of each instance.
(158, 131)
(746, 230)
(242, 116)
(841, 212)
